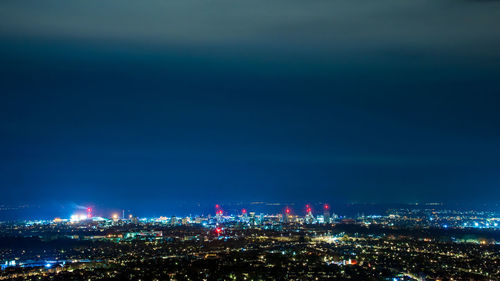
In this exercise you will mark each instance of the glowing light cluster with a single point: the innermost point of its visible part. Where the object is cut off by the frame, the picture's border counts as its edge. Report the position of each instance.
(78, 217)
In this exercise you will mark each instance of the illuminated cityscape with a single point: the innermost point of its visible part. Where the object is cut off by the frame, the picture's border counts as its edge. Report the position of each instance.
(250, 140)
(419, 242)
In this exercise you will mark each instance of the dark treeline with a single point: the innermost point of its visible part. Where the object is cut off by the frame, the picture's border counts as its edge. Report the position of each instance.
(37, 243)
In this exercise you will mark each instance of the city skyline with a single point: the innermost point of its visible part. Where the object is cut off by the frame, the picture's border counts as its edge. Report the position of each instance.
(403, 244)
(345, 210)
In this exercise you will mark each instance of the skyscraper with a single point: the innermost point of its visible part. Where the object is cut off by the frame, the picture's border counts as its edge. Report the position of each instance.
(286, 215)
(309, 216)
(326, 213)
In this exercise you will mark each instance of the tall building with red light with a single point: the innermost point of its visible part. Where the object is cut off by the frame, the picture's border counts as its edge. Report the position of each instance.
(326, 213)
(309, 218)
(244, 215)
(218, 215)
(286, 215)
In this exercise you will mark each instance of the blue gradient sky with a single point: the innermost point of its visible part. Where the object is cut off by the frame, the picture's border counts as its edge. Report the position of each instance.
(129, 103)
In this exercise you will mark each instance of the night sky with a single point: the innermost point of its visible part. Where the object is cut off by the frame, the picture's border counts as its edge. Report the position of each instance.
(152, 102)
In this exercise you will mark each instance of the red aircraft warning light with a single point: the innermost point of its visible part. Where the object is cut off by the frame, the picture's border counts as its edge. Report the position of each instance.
(89, 213)
(287, 210)
(244, 211)
(217, 206)
(218, 230)
(308, 210)
(219, 212)
(326, 207)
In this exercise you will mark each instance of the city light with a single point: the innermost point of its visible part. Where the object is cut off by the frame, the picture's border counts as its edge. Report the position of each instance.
(342, 241)
(78, 217)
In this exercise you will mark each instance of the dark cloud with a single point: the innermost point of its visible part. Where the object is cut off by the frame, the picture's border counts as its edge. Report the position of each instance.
(325, 26)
